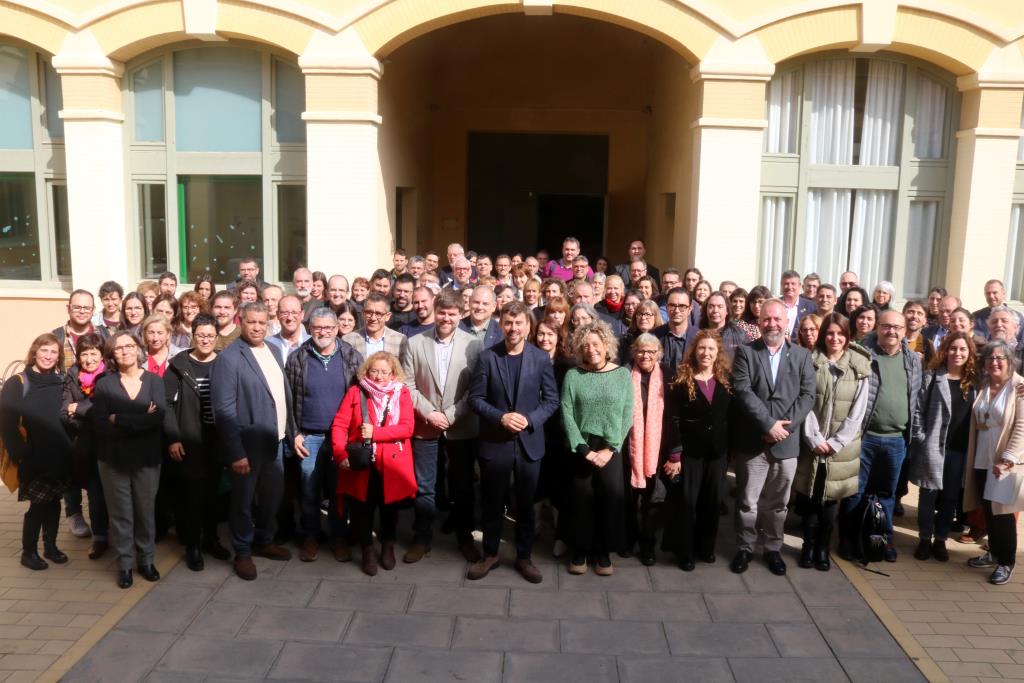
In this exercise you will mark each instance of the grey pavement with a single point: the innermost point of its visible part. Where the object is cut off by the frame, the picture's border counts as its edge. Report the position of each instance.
(326, 621)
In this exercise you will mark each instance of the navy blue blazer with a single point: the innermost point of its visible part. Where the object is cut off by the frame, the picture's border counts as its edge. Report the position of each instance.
(490, 397)
(492, 336)
(243, 406)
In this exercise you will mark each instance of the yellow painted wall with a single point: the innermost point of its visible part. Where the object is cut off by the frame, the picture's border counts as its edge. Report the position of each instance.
(28, 318)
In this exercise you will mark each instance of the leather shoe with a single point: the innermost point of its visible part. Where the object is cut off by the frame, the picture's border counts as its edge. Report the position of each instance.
(647, 558)
(33, 561)
(469, 552)
(369, 560)
(342, 551)
(149, 572)
(309, 550)
(53, 553)
(776, 565)
(708, 558)
(821, 560)
(687, 564)
(194, 558)
(387, 555)
(740, 562)
(273, 552)
(806, 560)
(124, 578)
(415, 553)
(245, 567)
(479, 570)
(528, 570)
(97, 549)
(214, 549)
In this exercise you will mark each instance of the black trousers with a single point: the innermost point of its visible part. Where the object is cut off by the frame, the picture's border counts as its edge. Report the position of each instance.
(818, 515)
(461, 460)
(1002, 529)
(362, 513)
(496, 471)
(696, 499)
(598, 499)
(195, 501)
(641, 515)
(40, 516)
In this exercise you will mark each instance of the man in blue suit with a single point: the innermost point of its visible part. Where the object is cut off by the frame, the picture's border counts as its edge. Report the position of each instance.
(250, 405)
(514, 393)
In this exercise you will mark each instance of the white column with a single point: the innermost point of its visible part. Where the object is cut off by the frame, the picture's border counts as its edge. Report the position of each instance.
(347, 223)
(94, 153)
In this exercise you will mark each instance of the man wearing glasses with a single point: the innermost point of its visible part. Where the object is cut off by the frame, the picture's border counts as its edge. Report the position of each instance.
(319, 373)
(292, 334)
(375, 335)
(675, 335)
(81, 304)
(890, 420)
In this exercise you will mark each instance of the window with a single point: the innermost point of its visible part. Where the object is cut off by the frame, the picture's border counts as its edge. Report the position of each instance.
(34, 239)
(856, 171)
(217, 161)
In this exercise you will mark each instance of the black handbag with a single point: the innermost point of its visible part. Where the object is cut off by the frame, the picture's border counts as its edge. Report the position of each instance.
(360, 453)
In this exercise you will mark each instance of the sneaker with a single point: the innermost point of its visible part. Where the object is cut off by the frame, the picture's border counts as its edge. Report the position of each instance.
(924, 550)
(982, 561)
(890, 552)
(78, 527)
(1001, 575)
(603, 566)
(966, 539)
(578, 565)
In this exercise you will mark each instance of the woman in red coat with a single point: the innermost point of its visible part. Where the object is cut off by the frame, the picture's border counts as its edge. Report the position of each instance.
(390, 478)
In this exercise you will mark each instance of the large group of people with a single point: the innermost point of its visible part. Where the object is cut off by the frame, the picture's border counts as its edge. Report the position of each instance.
(608, 400)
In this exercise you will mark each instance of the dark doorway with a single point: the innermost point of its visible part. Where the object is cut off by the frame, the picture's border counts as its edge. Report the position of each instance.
(527, 191)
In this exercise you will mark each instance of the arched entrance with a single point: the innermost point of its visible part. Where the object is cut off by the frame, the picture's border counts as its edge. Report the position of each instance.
(511, 131)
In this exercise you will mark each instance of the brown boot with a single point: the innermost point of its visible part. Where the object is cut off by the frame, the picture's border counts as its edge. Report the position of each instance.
(342, 551)
(416, 553)
(273, 552)
(387, 555)
(528, 570)
(245, 568)
(309, 550)
(369, 561)
(482, 568)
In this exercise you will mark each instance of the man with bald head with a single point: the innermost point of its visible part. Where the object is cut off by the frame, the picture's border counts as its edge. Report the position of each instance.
(480, 322)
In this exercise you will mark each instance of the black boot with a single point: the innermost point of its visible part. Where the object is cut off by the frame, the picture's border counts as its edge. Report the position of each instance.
(51, 523)
(821, 547)
(53, 553)
(31, 559)
(806, 560)
(194, 558)
(810, 529)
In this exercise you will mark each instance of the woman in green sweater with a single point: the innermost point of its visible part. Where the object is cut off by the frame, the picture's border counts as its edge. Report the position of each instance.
(597, 413)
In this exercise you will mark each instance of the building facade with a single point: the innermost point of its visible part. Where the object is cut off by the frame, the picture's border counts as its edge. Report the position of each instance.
(882, 136)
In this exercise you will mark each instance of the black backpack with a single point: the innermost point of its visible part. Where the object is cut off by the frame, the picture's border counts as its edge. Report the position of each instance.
(871, 533)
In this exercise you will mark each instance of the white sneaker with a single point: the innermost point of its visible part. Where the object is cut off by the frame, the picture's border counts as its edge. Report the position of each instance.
(78, 527)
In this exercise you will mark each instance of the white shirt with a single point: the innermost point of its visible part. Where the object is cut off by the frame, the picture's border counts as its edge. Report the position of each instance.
(274, 376)
(373, 347)
(443, 358)
(989, 413)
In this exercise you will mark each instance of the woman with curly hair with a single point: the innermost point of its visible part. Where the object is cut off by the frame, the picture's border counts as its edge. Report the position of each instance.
(698, 404)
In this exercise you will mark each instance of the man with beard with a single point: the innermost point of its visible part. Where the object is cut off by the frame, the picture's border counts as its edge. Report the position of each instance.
(774, 385)
(402, 312)
(319, 373)
(417, 265)
(302, 280)
(423, 305)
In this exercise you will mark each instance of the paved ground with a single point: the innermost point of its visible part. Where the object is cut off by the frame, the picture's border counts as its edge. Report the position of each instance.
(326, 621)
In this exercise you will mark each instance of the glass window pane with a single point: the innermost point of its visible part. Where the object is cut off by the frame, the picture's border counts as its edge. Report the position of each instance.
(148, 103)
(15, 102)
(783, 114)
(291, 229)
(922, 226)
(53, 102)
(61, 231)
(19, 230)
(217, 100)
(220, 221)
(776, 237)
(871, 236)
(1015, 253)
(929, 119)
(289, 103)
(152, 227)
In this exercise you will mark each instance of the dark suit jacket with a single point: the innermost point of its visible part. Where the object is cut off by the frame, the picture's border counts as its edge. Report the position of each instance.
(761, 401)
(699, 429)
(243, 406)
(622, 270)
(490, 396)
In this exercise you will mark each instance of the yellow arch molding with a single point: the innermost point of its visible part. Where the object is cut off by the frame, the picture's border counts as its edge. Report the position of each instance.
(33, 28)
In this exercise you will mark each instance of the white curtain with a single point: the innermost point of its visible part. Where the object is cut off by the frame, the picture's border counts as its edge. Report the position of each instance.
(776, 237)
(1015, 254)
(921, 229)
(831, 84)
(1020, 143)
(929, 118)
(783, 114)
(826, 240)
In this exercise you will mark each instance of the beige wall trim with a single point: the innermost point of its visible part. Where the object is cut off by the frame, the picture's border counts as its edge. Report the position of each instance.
(201, 19)
(342, 71)
(977, 81)
(877, 25)
(342, 117)
(990, 133)
(90, 115)
(719, 122)
(539, 8)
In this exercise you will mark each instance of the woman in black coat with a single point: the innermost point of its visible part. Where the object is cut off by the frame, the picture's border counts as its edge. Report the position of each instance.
(128, 413)
(36, 440)
(698, 405)
(76, 412)
(192, 443)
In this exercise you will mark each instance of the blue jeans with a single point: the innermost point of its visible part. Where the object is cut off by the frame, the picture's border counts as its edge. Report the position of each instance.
(424, 458)
(881, 458)
(318, 470)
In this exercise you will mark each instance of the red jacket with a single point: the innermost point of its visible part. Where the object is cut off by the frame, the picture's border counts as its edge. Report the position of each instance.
(393, 445)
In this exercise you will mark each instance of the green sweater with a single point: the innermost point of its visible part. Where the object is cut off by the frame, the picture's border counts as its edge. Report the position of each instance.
(597, 404)
(891, 409)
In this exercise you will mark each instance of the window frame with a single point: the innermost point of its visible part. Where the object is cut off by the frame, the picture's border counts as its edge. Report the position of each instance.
(912, 180)
(161, 162)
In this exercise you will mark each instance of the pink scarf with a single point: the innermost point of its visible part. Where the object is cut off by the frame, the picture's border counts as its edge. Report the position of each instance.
(87, 380)
(645, 439)
(383, 397)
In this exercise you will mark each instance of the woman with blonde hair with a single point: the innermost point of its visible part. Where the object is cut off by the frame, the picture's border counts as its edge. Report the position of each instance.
(374, 454)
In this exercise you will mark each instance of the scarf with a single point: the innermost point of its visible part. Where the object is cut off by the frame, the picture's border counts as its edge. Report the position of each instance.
(87, 380)
(383, 397)
(612, 306)
(645, 438)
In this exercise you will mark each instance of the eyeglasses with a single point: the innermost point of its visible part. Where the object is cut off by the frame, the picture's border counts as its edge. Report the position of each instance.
(287, 314)
(81, 309)
(204, 337)
(323, 329)
(645, 314)
(374, 314)
(677, 307)
(646, 352)
(378, 373)
(892, 328)
(126, 348)
(996, 359)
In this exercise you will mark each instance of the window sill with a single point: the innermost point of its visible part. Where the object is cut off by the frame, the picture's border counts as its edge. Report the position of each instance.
(33, 290)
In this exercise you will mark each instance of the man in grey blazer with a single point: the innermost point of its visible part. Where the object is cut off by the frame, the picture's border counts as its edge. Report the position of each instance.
(375, 335)
(773, 380)
(438, 368)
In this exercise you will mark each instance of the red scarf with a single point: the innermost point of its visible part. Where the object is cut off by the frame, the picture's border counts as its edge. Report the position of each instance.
(645, 438)
(612, 306)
